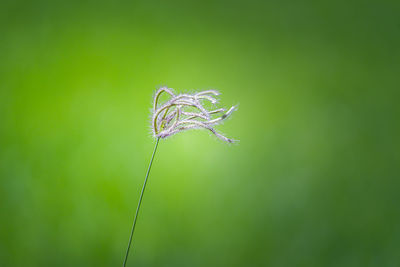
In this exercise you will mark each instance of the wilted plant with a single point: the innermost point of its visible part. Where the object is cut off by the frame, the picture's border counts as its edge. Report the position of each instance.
(179, 113)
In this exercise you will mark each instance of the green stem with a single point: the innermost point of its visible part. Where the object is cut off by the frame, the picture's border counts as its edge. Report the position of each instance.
(140, 201)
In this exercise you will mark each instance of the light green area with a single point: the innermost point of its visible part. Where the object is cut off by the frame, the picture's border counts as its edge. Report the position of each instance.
(313, 182)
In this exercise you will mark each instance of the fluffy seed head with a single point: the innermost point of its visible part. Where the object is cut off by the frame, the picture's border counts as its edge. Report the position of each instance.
(186, 111)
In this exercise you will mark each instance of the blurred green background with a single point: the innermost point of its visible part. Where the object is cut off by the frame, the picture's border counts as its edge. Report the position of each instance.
(313, 182)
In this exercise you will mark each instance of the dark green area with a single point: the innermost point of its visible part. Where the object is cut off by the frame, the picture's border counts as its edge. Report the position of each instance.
(313, 182)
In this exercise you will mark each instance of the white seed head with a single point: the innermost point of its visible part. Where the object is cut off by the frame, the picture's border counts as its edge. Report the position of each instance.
(176, 114)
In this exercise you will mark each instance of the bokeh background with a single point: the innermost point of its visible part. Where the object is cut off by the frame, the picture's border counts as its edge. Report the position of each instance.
(313, 182)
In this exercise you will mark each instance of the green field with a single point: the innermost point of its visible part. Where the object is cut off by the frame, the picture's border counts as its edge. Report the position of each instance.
(314, 180)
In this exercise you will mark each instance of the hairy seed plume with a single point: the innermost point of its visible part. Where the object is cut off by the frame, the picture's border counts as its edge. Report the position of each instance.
(176, 114)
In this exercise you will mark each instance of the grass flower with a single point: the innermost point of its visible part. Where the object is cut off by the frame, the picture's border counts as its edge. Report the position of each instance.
(179, 113)
(187, 111)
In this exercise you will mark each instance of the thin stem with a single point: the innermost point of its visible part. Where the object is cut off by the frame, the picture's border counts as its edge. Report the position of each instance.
(140, 201)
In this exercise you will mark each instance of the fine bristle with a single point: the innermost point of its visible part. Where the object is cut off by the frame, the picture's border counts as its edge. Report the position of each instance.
(175, 115)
